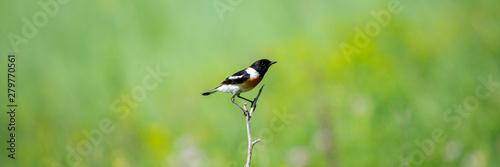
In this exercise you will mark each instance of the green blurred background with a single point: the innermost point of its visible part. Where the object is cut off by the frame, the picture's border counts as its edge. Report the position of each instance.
(318, 108)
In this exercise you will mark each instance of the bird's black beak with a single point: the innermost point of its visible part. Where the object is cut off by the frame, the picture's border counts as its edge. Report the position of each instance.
(273, 62)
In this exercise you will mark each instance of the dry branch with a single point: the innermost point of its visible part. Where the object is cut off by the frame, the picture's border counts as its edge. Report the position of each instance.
(248, 116)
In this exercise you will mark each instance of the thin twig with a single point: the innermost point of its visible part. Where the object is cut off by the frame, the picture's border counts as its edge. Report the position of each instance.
(248, 116)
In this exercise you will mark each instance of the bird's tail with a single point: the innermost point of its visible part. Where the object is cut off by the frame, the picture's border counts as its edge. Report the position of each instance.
(209, 92)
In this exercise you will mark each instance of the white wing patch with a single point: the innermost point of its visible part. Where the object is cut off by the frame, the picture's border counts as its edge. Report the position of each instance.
(252, 72)
(235, 77)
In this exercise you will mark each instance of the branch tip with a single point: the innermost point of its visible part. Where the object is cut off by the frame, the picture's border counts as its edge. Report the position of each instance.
(255, 142)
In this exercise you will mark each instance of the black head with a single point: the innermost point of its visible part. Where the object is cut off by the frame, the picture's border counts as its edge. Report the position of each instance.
(262, 65)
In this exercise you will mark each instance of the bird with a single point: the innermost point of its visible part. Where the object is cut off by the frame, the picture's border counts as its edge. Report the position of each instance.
(244, 80)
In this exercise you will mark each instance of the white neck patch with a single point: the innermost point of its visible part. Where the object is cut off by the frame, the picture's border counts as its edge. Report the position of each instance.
(252, 72)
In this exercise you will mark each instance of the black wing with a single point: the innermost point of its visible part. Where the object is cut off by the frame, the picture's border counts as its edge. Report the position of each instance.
(237, 78)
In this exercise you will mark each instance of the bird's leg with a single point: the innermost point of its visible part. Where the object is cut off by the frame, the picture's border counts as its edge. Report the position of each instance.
(244, 98)
(232, 100)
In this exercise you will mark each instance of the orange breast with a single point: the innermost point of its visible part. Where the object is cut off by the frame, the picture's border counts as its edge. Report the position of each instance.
(251, 83)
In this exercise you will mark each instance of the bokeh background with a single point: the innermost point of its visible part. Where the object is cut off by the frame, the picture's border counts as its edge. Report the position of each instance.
(318, 108)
